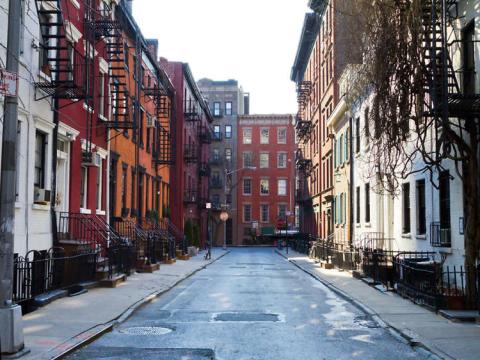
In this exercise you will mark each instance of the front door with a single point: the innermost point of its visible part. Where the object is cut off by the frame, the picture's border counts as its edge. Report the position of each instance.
(113, 187)
(61, 198)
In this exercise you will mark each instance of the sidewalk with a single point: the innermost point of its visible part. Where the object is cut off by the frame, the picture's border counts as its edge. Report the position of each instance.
(68, 322)
(415, 324)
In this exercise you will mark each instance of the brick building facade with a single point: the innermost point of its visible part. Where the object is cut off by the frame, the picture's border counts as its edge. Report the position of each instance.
(265, 187)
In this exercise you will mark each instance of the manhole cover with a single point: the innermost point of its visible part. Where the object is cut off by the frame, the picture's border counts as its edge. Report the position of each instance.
(146, 330)
(247, 317)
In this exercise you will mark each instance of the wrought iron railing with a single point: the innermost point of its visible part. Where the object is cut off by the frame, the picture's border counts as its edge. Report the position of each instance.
(42, 271)
(440, 236)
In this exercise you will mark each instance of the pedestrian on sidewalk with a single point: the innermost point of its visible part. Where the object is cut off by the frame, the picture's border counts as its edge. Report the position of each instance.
(208, 248)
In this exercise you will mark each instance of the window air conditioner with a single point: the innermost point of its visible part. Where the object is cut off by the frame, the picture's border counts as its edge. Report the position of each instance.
(151, 121)
(95, 160)
(41, 196)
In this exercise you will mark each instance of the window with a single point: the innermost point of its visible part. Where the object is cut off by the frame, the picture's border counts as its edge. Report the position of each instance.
(282, 160)
(228, 131)
(357, 135)
(421, 215)
(101, 95)
(406, 207)
(43, 53)
(247, 159)
(124, 187)
(367, 125)
(264, 187)
(216, 199)
(216, 132)
(282, 187)
(367, 203)
(444, 193)
(264, 160)
(264, 212)
(216, 109)
(83, 187)
(228, 108)
(282, 135)
(40, 161)
(264, 135)
(247, 186)
(247, 213)
(228, 154)
(216, 154)
(468, 35)
(282, 211)
(140, 127)
(247, 135)
(132, 195)
(99, 186)
(357, 210)
(340, 151)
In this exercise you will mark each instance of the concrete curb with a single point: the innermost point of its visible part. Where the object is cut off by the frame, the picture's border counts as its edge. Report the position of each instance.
(94, 333)
(400, 335)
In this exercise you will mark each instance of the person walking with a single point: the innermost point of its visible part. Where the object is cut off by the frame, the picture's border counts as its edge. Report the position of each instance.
(208, 254)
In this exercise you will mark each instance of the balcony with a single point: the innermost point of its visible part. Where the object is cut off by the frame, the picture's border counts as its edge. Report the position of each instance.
(216, 183)
(205, 135)
(303, 164)
(190, 196)
(440, 236)
(303, 127)
(190, 153)
(191, 111)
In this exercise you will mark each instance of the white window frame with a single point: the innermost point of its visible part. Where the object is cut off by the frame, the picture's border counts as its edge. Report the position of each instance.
(278, 187)
(247, 136)
(84, 180)
(99, 186)
(262, 219)
(279, 154)
(245, 165)
(243, 187)
(284, 141)
(261, 165)
(264, 140)
(243, 213)
(268, 187)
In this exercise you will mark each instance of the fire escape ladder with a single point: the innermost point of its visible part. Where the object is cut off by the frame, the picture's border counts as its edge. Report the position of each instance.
(62, 65)
(104, 25)
(444, 97)
(302, 124)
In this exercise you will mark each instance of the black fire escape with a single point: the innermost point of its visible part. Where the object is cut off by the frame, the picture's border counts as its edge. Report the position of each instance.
(103, 25)
(445, 99)
(303, 125)
(304, 165)
(63, 65)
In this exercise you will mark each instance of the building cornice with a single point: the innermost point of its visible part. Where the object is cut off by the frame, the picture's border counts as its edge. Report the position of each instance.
(311, 28)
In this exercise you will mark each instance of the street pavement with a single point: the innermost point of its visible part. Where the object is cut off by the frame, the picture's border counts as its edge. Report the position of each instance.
(66, 323)
(250, 304)
(420, 326)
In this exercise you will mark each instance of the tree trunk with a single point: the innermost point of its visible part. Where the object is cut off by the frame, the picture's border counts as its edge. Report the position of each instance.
(471, 186)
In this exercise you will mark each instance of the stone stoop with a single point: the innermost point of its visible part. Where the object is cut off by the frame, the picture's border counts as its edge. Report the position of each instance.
(327, 266)
(183, 257)
(461, 315)
(114, 281)
(148, 268)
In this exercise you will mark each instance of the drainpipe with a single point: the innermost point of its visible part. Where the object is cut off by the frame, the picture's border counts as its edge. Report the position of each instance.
(54, 173)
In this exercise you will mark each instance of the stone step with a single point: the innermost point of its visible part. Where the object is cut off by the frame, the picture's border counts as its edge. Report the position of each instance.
(148, 268)
(113, 281)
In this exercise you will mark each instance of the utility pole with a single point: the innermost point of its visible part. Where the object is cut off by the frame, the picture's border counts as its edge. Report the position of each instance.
(11, 329)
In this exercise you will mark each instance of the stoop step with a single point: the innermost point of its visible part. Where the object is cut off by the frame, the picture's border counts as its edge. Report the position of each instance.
(148, 268)
(114, 281)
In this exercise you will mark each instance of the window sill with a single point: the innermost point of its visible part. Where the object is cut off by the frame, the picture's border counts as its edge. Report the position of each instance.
(368, 225)
(421, 237)
(358, 225)
(407, 236)
(85, 211)
(18, 205)
(40, 207)
(101, 212)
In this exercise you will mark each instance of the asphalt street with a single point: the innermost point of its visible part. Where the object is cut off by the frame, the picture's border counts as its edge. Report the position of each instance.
(251, 304)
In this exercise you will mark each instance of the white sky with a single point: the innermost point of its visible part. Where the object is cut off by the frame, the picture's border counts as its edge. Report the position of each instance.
(252, 41)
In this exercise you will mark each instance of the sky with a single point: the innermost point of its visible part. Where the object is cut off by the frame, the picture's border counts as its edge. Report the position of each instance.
(252, 41)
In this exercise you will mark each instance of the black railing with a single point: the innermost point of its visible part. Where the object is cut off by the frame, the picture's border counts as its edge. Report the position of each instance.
(440, 236)
(216, 161)
(190, 196)
(42, 271)
(427, 282)
(121, 259)
(204, 169)
(190, 153)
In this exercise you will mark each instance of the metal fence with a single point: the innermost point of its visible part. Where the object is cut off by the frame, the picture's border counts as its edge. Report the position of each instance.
(42, 271)
(429, 283)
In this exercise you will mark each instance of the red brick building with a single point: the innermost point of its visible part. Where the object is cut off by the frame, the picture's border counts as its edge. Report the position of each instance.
(192, 136)
(265, 189)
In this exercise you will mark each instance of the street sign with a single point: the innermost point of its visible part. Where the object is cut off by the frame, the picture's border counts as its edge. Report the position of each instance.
(224, 216)
(208, 205)
(255, 224)
(8, 83)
